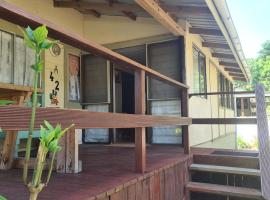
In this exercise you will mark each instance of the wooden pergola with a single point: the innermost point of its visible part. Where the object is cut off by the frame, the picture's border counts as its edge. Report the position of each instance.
(17, 118)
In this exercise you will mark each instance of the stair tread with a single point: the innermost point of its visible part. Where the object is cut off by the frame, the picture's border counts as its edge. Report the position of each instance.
(224, 190)
(225, 169)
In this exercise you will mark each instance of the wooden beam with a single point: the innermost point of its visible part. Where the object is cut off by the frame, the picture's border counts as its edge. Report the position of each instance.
(204, 31)
(237, 74)
(219, 93)
(229, 64)
(187, 10)
(232, 69)
(223, 55)
(239, 79)
(235, 120)
(215, 45)
(161, 16)
(91, 12)
(17, 118)
(131, 15)
(15, 15)
(140, 142)
(119, 7)
(185, 113)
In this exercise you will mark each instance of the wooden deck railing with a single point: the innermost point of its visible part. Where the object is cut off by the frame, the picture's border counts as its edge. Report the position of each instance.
(20, 17)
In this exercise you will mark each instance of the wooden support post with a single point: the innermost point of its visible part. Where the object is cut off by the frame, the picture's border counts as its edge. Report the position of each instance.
(184, 112)
(263, 137)
(68, 159)
(140, 132)
(7, 155)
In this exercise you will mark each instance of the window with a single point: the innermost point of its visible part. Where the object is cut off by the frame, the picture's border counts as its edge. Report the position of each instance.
(225, 100)
(199, 72)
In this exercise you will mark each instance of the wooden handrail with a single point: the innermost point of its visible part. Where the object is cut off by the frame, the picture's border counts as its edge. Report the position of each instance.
(235, 120)
(220, 93)
(17, 118)
(20, 17)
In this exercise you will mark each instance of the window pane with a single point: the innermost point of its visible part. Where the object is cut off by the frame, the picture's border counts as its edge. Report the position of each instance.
(202, 73)
(196, 86)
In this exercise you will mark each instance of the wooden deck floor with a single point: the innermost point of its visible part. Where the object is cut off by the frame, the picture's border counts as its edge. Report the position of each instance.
(104, 167)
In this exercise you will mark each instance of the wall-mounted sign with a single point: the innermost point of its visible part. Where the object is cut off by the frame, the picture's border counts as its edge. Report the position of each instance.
(54, 79)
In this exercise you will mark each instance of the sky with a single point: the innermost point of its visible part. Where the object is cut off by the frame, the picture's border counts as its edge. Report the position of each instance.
(252, 21)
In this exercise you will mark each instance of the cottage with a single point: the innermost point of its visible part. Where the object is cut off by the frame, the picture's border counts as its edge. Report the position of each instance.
(125, 72)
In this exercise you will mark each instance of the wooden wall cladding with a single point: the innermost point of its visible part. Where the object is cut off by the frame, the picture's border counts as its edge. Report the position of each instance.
(167, 183)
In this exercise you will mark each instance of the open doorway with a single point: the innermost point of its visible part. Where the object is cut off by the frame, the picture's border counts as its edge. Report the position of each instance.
(124, 95)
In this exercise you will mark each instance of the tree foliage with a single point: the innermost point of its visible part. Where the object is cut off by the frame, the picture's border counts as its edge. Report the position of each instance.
(259, 69)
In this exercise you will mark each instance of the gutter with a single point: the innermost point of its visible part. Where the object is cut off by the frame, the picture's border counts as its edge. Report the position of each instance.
(220, 12)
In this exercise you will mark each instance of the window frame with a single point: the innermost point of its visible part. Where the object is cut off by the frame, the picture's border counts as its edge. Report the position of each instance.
(201, 60)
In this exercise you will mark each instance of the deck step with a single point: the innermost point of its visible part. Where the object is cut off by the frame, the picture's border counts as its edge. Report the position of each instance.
(227, 160)
(224, 190)
(225, 169)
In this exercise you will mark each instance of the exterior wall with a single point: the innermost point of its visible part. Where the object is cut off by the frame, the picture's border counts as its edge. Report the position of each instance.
(201, 107)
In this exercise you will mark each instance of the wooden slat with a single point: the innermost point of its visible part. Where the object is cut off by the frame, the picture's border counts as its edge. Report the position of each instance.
(227, 160)
(223, 55)
(263, 137)
(225, 169)
(229, 64)
(235, 120)
(204, 31)
(20, 17)
(233, 69)
(161, 16)
(235, 74)
(13, 87)
(140, 142)
(17, 118)
(215, 45)
(131, 15)
(224, 190)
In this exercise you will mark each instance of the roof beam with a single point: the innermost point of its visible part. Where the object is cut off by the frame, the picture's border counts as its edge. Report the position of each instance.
(232, 69)
(240, 79)
(187, 10)
(161, 16)
(205, 31)
(237, 74)
(223, 55)
(91, 12)
(131, 15)
(229, 64)
(215, 45)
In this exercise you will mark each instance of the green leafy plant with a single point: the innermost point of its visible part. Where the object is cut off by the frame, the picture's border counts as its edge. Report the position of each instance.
(50, 136)
(6, 102)
(2, 198)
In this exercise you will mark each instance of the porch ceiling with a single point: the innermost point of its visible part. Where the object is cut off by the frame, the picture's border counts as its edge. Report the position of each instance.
(195, 12)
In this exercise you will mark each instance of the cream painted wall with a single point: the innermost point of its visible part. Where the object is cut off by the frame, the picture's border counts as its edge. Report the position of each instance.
(67, 18)
(201, 107)
(106, 30)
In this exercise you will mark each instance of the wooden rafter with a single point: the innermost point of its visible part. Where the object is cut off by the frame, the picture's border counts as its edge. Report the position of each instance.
(187, 10)
(232, 69)
(161, 16)
(91, 12)
(215, 45)
(229, 64)
(223, 55)
(240, 74)
(205, 31)
(131, 15)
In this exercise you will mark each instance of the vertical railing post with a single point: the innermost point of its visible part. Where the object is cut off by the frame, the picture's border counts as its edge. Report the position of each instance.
(264, 142)
(140, 146)
(184, 113)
